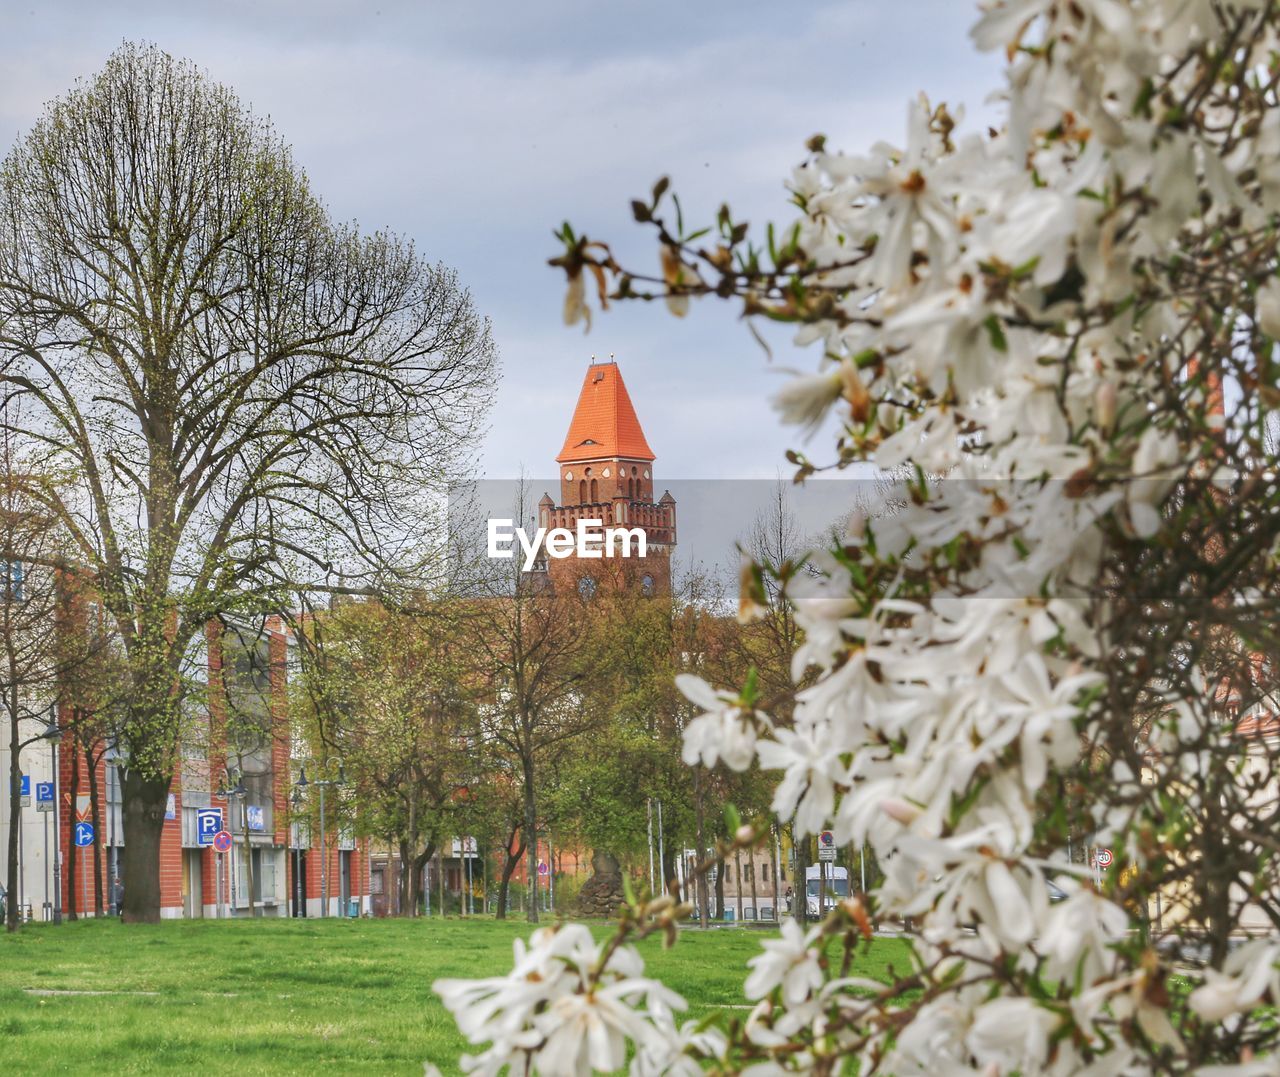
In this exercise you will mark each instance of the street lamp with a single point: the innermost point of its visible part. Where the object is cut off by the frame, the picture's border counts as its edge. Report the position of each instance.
(322, 784)
(295, 855)
(239, 792)
(53, 734)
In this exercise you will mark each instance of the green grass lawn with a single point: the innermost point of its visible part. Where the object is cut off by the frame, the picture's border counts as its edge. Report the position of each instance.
(284, 996)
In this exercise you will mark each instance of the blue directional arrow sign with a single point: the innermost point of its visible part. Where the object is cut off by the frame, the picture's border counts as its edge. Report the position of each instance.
(44, 792)
(84, 835)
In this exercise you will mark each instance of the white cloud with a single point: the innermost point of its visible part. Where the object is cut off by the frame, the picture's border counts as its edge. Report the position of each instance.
(477, 128)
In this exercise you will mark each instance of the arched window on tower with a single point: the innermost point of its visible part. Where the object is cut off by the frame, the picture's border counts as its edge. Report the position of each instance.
(595, 494)
(646, 585)
(582, 491)
(587, 586)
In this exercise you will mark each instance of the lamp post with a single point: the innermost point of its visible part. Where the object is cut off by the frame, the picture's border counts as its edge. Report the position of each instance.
(239, 792)
(295, 855)
(53, 734)
(322, 784)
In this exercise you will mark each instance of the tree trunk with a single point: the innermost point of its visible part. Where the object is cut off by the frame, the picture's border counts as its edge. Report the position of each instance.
(720, 889)
(509, 869)
(704, 913)
(144, 804)
(15, 815)
(70, 875)
(531, 839)
(408, 896)
(95, 817)
(418, 880)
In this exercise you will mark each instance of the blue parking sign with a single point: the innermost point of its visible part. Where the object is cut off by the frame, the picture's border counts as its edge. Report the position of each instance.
(44, 792)
(208, 823)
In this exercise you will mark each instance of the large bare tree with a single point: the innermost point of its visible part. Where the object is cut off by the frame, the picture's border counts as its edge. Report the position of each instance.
(237, 395)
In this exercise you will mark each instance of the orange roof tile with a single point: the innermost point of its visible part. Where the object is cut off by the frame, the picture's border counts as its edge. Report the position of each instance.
(604, 422)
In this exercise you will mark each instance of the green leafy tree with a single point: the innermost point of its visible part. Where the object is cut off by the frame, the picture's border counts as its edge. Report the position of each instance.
(392, 693)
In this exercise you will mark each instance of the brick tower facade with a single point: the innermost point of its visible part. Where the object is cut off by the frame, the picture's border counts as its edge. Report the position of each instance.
(606, 473)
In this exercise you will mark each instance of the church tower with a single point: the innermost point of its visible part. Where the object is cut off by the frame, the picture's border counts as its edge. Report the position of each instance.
(606, 473)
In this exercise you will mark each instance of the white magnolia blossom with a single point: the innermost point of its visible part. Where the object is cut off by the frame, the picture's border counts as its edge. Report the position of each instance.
(559, 1012)
(723, 731)
(790, 963)
(1247, 977)
(984, 288)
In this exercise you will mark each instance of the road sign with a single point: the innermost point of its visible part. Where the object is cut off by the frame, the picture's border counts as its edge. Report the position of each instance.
(543, 868)
(24, 790)
(222, 841)
(83, 808)
(84, 835)
(826, 846)
(1103, 858)
(171, 807)
(208, 823)
(44, 796)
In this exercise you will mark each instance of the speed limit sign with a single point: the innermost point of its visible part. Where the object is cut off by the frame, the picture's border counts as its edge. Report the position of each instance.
(1103, 858)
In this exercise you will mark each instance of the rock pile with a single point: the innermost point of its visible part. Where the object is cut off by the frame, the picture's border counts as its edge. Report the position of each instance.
(601, 895)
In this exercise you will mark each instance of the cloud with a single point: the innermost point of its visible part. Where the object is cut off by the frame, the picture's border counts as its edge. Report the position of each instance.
(477, 128)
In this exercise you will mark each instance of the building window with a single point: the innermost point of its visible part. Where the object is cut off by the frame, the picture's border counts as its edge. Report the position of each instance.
(12, 580)
(594, 492)
(646, 585)
(582, 491)
(587, 586)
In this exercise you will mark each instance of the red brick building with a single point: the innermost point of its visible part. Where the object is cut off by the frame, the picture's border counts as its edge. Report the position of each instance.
(606, 474)
(237, 759)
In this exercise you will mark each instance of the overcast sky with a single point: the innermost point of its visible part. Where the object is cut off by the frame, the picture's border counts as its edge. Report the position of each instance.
(477, 127)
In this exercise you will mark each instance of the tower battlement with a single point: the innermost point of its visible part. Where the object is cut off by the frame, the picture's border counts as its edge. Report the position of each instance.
(606, 474)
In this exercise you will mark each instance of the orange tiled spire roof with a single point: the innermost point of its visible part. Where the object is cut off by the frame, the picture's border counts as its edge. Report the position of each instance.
(604, 422)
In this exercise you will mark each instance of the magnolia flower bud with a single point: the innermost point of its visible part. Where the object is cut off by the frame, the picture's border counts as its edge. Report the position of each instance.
(744, 835)
(900, 810)
(575, 301)
(1268, 308)
(855, 391)
(1104, 406)
(805, 399)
